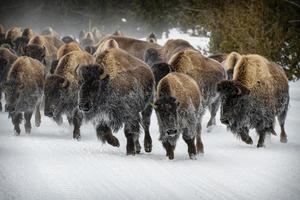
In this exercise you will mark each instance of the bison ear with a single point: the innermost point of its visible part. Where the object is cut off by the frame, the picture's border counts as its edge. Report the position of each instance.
(232, 88)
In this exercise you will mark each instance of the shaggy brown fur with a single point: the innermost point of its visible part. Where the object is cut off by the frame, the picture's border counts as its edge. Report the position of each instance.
(67, 48)
(126, 89)
(136, 48)
(231, 62)
(23, 91)
(6, 60)
(43, 48)
(28, 33)
(219, 57)
(108, 44)
(12, 34)
(179, 111)
(61, 89)
(263, 87)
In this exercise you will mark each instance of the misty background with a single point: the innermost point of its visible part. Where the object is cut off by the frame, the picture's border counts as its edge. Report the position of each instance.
(270, 28)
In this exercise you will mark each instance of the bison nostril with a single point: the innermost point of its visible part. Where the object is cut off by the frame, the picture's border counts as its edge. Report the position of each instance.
(171, 132)
(85, 106)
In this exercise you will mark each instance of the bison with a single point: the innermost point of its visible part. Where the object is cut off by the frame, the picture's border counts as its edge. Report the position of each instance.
(179, 56)
(7, 58)
(257, 93)
(43, 48)
(61, 90)
(179, 110)
(114, 92)
(134, 47)
(12, 34)
(63, 50)
(151, 38)
(23, 91)
(20, 43)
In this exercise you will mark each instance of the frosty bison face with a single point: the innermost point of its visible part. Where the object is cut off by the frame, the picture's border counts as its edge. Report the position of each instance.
(19, 44)
(55, 92)
(93, 81)
(234, 105)
(13, 91)
(36, 52)
(166, 109)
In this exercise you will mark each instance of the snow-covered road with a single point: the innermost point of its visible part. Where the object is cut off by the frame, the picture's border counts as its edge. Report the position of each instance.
(49, 164)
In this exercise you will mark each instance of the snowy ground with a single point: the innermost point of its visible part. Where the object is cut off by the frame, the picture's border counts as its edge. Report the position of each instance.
(48, 164)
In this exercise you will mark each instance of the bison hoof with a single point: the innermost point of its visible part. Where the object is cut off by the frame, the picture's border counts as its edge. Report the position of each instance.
(193, 156)
(77, 137)
(130, 152)
(283, 139)
(27, 129)
(17, 132)
(37, 123)
(148, 147)
(137, 147)
(113, 141)
(249, 141)
(171, 157)
(260, 145)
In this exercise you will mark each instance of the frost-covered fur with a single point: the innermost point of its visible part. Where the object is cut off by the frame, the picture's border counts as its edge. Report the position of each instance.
(179, 110)
(180, 56)
(6, 60)
(258, 93)
(23, 91)
(115, 91)
(61, 89)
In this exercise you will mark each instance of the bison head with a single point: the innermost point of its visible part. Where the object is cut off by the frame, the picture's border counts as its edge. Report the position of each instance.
(13, 90)
(35, 51)
(55, 91)
(67, 39)
(93, 79)
(166, 108)
(19, 44)
(152, 56)
(160, 70)
(234, 103)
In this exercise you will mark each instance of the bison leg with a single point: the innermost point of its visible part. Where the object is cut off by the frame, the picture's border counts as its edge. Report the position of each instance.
(261, 140)
(0, 100)
(245, 136)
(70, 120)
(16, 120)
(58, 119)
(132, 134)
(77, 121)
(146, 117)
(281, 119)
(169, 150)
(191, 147)
(213, 109)
(199, 144)
(37, 116)
(27, 125)
(104, 134)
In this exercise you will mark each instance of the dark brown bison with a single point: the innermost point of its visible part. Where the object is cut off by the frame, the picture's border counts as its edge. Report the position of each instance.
(43, 48)
(20, 43)
(136, 48)
(48, 31)
(61, 89)
(258, 92)
(7, 58)
(64, 50)
(179, 111)
(87, 40)
(114, 92)
(151, 38)
(23, 92)
(179, 56)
